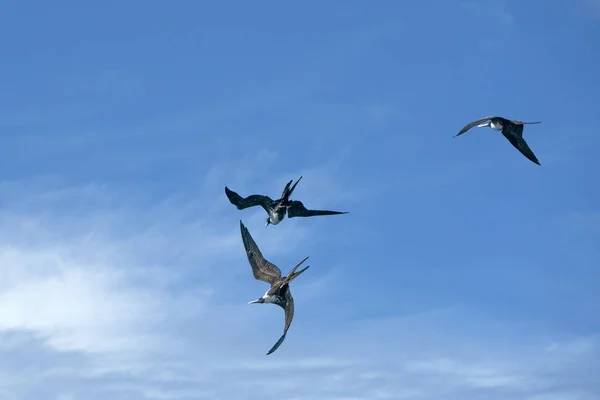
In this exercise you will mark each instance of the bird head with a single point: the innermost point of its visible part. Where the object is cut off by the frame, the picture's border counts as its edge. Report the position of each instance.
(268, 222)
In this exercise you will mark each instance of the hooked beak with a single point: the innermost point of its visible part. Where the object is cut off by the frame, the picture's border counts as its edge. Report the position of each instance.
(267, 224)
(256, 301)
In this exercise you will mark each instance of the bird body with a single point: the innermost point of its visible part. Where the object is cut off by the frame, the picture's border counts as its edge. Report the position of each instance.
(279, 293)
(495, 125)
(511, 129)
(275, 216)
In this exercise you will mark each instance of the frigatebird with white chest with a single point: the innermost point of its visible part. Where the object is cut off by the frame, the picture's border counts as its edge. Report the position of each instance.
(277, 209)
(279, 292)
(511, 129)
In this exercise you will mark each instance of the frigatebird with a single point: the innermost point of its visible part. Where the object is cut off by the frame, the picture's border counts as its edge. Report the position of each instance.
(277, 208)
(511, 129)
(279, 292)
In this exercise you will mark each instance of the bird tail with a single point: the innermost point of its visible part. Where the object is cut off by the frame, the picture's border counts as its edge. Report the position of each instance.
(293, 274)
(287, 191)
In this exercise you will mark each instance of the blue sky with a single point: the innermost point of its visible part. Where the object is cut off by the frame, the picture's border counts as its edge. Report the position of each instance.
(463, 270)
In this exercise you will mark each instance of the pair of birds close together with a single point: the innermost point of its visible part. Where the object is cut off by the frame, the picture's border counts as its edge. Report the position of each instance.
(279, 292)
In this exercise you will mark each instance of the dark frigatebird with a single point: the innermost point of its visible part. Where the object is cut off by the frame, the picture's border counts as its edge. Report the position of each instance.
(511, 129)
(276, 208)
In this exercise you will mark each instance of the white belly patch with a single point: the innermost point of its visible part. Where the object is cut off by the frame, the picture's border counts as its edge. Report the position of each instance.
(497, 126)
(274, 218)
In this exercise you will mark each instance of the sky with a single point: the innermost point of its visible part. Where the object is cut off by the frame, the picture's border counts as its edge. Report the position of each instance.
(462, 271)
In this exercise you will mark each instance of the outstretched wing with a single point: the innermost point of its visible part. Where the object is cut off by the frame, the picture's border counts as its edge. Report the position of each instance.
(514, 133)
(472, 124)
(297, 209)
(253, 200)
(261, 269)
(289, 315)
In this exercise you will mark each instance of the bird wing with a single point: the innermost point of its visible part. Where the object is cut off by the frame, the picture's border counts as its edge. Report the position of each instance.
(514, 133)
(289, 315)
(261, 268)
(472, 124)
(297, 209)
(253, 200)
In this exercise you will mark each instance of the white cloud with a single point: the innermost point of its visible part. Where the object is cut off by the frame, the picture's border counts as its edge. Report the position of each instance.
(579, 346)
(73, 293)
(469, 375)
(116, 301)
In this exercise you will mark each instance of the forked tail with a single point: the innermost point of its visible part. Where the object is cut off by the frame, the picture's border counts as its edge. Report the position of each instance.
(287, 191)
(293, 274)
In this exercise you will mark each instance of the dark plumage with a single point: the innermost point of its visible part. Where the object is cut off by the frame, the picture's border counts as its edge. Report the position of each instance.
(511, 129)
(279, 293)
(277, 209)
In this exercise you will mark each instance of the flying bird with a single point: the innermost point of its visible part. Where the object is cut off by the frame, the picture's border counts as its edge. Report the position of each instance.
(276, 208)
(279, 293)
(511, 129)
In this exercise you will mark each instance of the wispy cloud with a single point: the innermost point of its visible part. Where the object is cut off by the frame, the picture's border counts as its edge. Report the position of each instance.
(490, 10)
(99, 318)
(73, 304)
(105, 293)
(122, 272)
(118, 283)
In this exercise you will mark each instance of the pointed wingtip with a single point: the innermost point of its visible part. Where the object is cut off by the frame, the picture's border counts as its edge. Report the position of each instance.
(276, 345)
(230, 194)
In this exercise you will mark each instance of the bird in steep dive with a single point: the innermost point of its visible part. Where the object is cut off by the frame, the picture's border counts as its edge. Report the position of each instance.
(279, 293)
(511, 129)
(277, 208)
